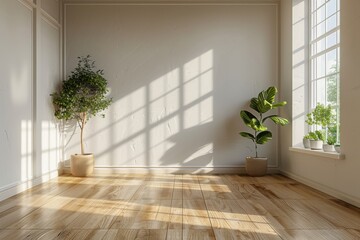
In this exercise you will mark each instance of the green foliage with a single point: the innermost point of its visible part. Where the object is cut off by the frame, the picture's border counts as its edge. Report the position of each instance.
(83, 94)
(332, 86)
(317, 135)
(320, 116)
(331, 140)
(325, 117)
(264, 102)
(307, 136)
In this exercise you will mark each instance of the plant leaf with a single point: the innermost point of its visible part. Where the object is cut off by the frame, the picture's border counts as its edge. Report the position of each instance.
(251, 121)
(279, 104)
(270, 94)
(254, 103)
(247, 135)
(277, 120)
(263, 137)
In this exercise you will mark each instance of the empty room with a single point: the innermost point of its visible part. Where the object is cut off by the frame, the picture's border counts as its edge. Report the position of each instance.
(179, 119)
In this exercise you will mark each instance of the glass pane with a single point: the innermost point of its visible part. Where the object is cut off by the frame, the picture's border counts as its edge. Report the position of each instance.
(320, 45)
(331, 40)
(313, 5)
(320, 14)
(313, 34)
(320, 66)
(320, 91)
(331, 89)
(320, 29)
(330, 7)
(331, 61)
(319, 3)
(331, 22)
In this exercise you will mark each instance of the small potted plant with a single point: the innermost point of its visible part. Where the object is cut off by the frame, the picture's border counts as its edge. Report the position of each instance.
(306, 141)
(257, 166)
(329, 146)
(82, 96)
(316, 140)
(337, 148)
(321, 117)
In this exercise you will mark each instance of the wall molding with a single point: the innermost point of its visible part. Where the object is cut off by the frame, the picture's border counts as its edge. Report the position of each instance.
(28, 4)
(18, 187)
(323, 188)
(50, 20)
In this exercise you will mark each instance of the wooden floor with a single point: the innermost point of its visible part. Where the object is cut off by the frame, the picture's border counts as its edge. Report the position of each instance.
(168, 206)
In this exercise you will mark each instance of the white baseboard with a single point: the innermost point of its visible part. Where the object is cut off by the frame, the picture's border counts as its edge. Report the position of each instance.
(172, 170)
(15, 188)
(323, 188)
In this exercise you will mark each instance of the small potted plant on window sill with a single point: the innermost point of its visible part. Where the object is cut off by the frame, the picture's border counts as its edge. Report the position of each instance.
(329, 147)
(316, 140)
(321, 117)
(82, 96)
(306, 141)
(337, 148)
(257, 166)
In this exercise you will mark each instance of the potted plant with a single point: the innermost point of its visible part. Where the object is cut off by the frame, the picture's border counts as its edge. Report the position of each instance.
(257, 166)
(321, 117)
(329, 146)
(316, 140)
(82, 96)
(306, 141)
(337, 148)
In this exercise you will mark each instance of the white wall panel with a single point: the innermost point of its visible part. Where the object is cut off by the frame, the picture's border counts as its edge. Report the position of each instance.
(16, 67)
(179, 75)
(48, 147)
(30, 70)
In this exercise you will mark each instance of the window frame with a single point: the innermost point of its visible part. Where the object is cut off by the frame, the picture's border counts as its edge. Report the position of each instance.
(313, 54)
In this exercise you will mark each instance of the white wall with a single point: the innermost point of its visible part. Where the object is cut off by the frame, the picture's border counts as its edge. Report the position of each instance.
(179, 75)
(30, 69)
(336, 177)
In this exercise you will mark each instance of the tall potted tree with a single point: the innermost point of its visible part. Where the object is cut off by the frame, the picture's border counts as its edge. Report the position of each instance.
(265, 102)
(82, 96)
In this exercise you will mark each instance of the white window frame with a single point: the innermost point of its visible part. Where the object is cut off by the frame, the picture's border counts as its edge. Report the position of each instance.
(312, 65)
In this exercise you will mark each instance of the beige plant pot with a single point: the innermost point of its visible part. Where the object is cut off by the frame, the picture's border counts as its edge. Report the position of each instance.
(256, 167)
(316, 144)
(329, 148)
(306, 143)
(82, 165)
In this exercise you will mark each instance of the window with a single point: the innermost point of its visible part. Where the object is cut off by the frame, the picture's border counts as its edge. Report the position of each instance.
(324, 57)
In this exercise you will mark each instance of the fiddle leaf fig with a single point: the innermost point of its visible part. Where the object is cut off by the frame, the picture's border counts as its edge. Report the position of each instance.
(264, 102)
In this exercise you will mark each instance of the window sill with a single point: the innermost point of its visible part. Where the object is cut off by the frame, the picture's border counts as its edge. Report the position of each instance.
(320, 153)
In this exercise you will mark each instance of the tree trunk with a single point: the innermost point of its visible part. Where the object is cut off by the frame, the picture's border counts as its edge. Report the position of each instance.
(82, 126)
(81, 140)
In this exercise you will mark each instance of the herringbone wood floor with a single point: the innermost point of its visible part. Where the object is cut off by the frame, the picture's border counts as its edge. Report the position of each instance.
(166, 206)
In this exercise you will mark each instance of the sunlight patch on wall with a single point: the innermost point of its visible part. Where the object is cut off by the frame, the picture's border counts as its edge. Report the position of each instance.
(26, 150)
(198, 86)
(49, 147)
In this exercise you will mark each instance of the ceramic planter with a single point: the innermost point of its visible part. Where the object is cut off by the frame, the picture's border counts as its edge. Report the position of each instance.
(337, 148)
(256, 167)
(306, 143)
(328, 148)
(316, 144)
(82, 165)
